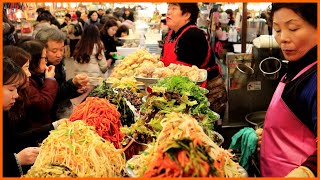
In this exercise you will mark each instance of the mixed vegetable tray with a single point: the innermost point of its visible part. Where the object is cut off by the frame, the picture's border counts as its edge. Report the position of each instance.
(161, 122)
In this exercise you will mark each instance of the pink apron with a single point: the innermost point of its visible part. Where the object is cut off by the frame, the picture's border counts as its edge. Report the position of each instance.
(287, 142)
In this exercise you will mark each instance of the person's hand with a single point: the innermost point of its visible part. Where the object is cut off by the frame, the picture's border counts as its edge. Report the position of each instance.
(83, 89)
(259, 134)
(112, 53)
(49, 73)
(61, 121)
(80, 80)
(57, 123)
(28, 155)
(300, 172)
(109, 61)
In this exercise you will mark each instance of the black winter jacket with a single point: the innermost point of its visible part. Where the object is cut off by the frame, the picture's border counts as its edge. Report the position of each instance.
(66, 91)
(14, 143)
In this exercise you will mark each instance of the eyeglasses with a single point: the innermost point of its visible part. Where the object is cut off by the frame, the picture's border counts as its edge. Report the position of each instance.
(45, 58)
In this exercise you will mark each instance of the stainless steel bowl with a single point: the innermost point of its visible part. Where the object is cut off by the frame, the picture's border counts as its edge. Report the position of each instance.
(270, 67)
(256, 118)
(243, 172)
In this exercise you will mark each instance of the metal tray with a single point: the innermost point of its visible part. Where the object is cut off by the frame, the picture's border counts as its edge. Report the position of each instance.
(204, 74)
(220, 138)
(147, 80)
(130, 173)
(128, 170)
(140, 86)
(206, 90)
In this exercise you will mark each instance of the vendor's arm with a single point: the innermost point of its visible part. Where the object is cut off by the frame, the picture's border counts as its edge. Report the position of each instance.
(311, 161)
(192, 47)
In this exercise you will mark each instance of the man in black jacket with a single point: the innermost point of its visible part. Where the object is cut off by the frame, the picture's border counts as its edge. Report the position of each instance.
(67, 20)
(54, 40)
(78, 13)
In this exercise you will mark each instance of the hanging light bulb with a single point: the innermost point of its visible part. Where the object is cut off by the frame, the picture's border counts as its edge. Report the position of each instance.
(48, 4)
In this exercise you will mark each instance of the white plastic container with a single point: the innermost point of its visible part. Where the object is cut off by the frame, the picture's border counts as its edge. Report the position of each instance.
(126, 51)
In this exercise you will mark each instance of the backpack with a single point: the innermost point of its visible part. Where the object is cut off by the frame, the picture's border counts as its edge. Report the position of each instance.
(77, 29)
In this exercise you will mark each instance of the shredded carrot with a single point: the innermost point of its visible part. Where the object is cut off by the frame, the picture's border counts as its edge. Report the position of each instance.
(124, 149)
(164, 166)
(182, 158)
(182, 149)
(103, 115)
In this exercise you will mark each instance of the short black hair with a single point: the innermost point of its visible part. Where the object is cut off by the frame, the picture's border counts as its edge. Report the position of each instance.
(44, 17)
(12, 73)
(230, 12)
(68, 15)
(108, 24)
(34, 48)
(307, 11)
(40, 10)
(78, 13)
(91, 12)
(191, 8)
(121, 29)
(108, 11)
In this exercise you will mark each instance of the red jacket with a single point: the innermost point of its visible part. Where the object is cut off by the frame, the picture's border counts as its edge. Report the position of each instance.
(41, 93)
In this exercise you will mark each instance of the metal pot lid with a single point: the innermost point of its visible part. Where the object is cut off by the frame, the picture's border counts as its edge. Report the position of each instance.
(256, 118)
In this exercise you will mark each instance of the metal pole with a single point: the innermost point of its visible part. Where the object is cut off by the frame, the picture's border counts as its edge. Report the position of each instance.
(244, 28)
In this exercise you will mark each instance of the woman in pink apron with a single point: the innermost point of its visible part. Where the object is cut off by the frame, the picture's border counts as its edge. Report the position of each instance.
(289, 144)
(186, 44)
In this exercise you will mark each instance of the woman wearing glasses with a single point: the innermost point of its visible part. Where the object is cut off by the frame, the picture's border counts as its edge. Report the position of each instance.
(43, 87)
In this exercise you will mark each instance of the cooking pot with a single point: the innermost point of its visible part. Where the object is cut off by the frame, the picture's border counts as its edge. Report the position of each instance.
(241, 75)
(256, 119)
(270, 67)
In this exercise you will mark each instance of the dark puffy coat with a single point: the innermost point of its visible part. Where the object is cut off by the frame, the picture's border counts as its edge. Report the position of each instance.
(66, 91)
(13, 143)
(110, 45)
(97, 23)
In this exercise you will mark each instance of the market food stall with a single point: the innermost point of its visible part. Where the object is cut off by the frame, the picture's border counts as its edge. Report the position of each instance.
(121, 130)
(147, 120)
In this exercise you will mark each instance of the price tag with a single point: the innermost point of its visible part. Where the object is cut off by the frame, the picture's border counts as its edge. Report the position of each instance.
(254, 86)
